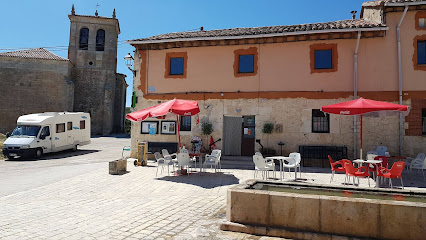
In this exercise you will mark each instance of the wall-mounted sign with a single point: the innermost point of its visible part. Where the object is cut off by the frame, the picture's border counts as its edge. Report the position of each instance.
(168, 127)
(151, 89)
(149, 127)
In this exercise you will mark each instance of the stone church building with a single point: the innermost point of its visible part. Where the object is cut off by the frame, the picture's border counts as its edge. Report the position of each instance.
(37, 80)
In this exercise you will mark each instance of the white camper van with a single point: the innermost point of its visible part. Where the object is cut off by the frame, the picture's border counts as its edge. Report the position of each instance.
(40, 133)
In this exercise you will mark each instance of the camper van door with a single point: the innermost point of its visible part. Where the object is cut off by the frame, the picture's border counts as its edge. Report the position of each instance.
(45, 139)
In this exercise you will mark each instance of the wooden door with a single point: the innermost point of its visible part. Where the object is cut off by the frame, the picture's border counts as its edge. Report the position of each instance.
(248, 136)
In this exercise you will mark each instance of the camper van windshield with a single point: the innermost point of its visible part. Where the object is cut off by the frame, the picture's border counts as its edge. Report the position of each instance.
(21, 130)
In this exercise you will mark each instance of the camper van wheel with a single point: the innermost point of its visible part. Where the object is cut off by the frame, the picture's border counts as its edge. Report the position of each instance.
(38, 153)
(74, 148)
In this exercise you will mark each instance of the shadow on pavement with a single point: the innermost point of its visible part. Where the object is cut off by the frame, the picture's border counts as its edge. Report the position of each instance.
(57, 155)
(204, 179)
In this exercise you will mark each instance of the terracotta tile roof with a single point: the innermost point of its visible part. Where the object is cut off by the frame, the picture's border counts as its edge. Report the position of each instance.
(378, 2)
(35, 53)
(240, 32)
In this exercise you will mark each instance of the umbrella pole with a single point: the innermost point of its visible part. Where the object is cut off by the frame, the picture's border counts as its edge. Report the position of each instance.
(178, 130)
(360, 151)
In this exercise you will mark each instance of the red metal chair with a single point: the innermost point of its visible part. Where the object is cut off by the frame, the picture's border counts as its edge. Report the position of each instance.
(351, 171)
(336, 166)
(394, 172)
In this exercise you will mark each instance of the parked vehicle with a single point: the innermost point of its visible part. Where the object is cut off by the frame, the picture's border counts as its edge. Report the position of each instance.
(40, 133)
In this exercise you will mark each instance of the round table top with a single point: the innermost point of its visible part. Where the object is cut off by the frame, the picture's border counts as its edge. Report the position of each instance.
(367, 161)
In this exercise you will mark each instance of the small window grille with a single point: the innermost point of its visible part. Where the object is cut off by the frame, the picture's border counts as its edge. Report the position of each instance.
(320, 121)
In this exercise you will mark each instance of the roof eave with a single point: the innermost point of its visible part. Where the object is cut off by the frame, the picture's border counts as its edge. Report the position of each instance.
(405, 4)
(132, 42)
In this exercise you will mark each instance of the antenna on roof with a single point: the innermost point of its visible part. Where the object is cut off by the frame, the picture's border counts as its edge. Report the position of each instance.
(353, 14)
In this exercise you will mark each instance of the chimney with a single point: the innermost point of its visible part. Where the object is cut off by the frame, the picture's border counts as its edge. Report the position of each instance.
(353, 14)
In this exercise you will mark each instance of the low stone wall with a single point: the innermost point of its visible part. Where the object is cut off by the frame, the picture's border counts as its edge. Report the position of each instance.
(354, 217)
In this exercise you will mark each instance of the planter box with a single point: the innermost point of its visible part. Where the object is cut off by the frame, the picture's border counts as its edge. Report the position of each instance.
(118, 167)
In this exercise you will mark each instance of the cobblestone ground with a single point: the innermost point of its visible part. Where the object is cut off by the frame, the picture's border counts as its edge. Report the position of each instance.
(136, 205)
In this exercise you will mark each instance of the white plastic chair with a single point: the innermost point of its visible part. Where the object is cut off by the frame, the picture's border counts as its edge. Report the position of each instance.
(410, 159)
(168, 156)
(419, 163)
(293, 161)
(214, 159)
(183, 160)
(161, 161)
(194, 160)
(261, 164)
(371, 156)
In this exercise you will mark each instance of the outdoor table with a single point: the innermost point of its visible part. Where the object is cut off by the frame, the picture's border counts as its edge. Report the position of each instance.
(375, 162)
(281, 159)
(200, 158)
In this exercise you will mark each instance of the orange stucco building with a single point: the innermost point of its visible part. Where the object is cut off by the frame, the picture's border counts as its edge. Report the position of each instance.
(246, 77)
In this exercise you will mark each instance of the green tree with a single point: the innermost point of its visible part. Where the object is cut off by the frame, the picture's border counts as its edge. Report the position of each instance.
(268, 128)
(127, 123)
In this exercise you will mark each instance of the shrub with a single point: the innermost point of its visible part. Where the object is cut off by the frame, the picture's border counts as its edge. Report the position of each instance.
(268, 128)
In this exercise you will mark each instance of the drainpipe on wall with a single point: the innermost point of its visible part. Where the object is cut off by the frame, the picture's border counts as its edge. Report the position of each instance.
(356, 88)
(398, 34)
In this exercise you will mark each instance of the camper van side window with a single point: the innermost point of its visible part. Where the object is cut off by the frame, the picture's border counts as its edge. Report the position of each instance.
(45, 132)
(69, 126)
(83, 124)
(60, 127)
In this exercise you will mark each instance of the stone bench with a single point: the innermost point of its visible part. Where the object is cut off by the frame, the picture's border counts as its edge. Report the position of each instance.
(118, 167)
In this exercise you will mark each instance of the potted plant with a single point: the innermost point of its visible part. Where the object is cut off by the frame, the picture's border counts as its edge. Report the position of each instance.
(268, 128)
(206, 129)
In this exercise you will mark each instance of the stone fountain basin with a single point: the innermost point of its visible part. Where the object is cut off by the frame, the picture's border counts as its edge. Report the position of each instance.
(294, 215)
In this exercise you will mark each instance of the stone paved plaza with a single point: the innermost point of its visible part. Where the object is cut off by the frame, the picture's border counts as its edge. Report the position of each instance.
(136, 205)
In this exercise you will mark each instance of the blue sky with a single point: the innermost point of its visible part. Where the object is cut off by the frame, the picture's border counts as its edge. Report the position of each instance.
(45, 23)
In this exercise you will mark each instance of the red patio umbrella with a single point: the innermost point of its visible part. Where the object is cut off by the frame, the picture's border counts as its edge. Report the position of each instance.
(176, 106)
(361, 106)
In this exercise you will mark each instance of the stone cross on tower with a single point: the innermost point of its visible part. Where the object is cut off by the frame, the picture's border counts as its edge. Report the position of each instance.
(97, 5)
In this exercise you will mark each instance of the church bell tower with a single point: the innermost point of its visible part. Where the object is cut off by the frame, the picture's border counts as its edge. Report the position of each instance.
(98, 88)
